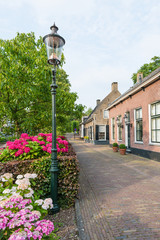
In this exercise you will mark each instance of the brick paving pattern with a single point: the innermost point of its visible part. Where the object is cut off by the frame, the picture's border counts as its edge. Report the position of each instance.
(119, 196)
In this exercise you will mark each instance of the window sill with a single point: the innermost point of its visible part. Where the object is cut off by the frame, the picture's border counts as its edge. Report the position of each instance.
(154, 144)
(138, 143)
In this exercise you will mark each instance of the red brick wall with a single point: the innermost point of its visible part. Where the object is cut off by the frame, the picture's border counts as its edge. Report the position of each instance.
(141, 99)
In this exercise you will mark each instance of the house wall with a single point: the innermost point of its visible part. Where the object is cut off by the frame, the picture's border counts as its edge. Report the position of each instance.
(141, 99)
(97, 117)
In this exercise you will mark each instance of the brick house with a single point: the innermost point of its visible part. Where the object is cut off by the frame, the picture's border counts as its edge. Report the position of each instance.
(96, 126)
(134, 117)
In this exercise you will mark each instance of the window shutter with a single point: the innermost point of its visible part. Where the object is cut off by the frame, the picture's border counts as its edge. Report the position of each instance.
(107, 132)
(97, 130)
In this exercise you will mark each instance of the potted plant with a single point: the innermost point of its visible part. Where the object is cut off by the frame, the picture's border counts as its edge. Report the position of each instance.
(115, 147)
(86, 139)
(122, 149)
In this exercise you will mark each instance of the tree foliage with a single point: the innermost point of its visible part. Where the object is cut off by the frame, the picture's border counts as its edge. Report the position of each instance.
(147, 68)
(88, 112)
(25, 79)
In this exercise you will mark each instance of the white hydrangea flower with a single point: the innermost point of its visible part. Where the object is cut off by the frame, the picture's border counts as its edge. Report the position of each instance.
(2, 198)
(45, 206)
(29, 207)
(13, 189)
(16, 195)
(39, 202)
(3, 179)
(7, 175)
(22, 186)
(28, 175)
(34, 175)
(48, 201)
(31, 190)
(23, 181)
(3, 202)
(17, 182)
(6, 191)
(37, 213)
(19, 176)
(28, 195)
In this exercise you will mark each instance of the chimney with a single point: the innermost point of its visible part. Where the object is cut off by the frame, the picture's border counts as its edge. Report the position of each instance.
(114, 86)
(98, 102)
(139, 77)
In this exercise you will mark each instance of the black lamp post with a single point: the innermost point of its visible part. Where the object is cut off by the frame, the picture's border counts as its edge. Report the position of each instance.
(54, 44)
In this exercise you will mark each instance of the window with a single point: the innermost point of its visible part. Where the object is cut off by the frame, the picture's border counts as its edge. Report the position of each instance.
(113, 128)
(102, 133)
(155, 122)
(105, 114)
(119, 122)
(139, 125)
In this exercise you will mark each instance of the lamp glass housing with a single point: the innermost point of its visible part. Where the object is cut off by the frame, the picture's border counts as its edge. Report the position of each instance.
(127, 117)
(54, 45)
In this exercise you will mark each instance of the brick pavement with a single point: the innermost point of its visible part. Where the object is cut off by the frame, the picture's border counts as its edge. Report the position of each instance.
(119, 196)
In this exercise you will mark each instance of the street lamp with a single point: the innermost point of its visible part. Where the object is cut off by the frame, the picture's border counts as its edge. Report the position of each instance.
(54, 44)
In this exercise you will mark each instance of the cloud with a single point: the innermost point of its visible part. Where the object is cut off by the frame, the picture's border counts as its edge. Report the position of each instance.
(106, 40)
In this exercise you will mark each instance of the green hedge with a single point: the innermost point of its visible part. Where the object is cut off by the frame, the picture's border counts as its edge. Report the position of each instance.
(67, 178)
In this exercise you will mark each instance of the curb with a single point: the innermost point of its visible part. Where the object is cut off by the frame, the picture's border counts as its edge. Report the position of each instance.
(80, 224)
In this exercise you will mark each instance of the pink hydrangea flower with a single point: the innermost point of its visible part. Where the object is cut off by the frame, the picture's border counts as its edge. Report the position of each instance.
(18, 153)
(24, 135)
(44, 148)
(49, 139)
(49, 150)
(42, 143)
(27, 150)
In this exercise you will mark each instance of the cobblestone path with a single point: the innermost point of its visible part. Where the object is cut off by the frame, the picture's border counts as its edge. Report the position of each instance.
(119, 195)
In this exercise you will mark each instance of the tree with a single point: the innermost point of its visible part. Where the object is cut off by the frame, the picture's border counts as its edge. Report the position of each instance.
(147, 68)
(88, 112)
(25, 79)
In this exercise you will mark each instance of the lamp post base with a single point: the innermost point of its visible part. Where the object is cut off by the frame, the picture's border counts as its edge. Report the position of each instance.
(54, 210)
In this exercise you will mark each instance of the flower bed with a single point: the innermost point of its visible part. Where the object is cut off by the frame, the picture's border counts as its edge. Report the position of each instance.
(67, 164)
(31, 147)
(21, 213)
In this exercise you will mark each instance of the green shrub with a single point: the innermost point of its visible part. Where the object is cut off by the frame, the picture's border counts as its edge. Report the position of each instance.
(122, 146)
(67, 178)
(115, 144)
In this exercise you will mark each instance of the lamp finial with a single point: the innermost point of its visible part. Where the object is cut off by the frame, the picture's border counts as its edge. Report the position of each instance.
(54, 28)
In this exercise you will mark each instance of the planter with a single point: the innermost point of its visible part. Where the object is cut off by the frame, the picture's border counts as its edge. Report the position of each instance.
(115, 149)
(122, 151)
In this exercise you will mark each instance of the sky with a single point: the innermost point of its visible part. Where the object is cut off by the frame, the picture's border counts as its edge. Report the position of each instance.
(106, 40)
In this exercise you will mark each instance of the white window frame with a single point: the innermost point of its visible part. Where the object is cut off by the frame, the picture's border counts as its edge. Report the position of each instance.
(118, 126)
(149, 113)
(112, 128)
(104, 132)
(104, 114)
(135, 130)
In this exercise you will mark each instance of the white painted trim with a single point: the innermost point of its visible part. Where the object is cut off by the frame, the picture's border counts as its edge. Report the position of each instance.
(126, 134)
(134, 125)
(138, 142)
(104, 132)
(149, 127)
(149, 113)
(104, 114)
(113, 139)
(135, 136)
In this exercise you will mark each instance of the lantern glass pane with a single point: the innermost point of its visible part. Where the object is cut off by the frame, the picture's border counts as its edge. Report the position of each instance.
(54, 47)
